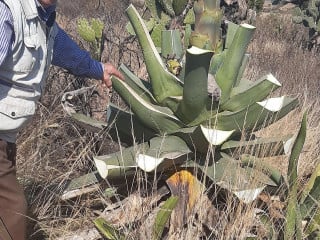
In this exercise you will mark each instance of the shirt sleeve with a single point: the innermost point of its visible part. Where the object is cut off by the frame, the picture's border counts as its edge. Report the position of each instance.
(6, 31)
(68, 55)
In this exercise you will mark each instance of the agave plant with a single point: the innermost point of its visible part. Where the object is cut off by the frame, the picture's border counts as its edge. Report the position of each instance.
(173, 125)
(173, 122)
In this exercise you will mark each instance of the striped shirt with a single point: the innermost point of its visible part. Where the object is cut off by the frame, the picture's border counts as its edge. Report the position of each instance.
(66, 53)
(6, 30)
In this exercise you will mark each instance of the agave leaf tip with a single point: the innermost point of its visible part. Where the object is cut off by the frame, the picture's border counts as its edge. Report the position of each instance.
(272, 79)
(214, 136)
(148, 163)
(273, 104)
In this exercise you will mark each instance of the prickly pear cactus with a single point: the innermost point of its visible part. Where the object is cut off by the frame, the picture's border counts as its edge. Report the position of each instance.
(92, 32)
(308, 14)
(86, 31)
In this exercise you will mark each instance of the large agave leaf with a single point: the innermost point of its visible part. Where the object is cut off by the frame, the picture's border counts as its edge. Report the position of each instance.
(245, 183)
(83, 181)
(163, 152)
(156, 118)
(293, 227)
(119, 164)
(242, 98)
(231, 32)
(88, 122)
(227, 74)
(142, 88)
(245, 61)
(201, 137)
(80, 185)
(164, 84)
(259, 147)
(261, 165)
(125, 126)
(256, 116)
(195, 90)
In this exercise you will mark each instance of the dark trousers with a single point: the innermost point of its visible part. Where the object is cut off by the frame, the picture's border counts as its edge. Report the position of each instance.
(13, 206)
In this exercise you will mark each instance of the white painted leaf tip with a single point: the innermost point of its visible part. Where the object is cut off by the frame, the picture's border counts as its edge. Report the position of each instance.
(214, 136)
(148, 163)
(288, 145)
(197, 51)
(101, 167)
(246, 25)
(272, 104)
(249, 195)
(272, 79)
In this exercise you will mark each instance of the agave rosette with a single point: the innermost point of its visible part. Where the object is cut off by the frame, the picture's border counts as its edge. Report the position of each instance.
(173, 119)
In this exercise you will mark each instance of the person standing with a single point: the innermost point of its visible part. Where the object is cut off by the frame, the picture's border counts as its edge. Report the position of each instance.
(30, 41)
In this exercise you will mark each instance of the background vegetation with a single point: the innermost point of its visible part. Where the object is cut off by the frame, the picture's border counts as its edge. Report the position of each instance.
(54, 148)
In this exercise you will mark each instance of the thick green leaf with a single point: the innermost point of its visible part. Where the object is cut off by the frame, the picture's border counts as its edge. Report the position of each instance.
(245, 61)
(231, 32)
(119, 164)
(156, 118)
(164, 152)
(200, 138)
(227, 74)
(261, 165)
(163, 216)
(295, 153)
(164, 84)
(107, 230)
(293, 227)
(149, 24)
(125, 126)
(258, 91)
(256, 116)
(259, 147)
(83, 181)
(141, 87)
(88, 122)
(195, 90)
(246, 183)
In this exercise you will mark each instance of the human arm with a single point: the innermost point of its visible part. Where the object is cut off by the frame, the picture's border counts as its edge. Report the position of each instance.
(68, 55)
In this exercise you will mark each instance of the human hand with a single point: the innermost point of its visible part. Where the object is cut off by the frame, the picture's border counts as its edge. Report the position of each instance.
(108, 71)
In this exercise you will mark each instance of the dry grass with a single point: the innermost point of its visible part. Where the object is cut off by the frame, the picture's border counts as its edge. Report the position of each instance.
(54, 148)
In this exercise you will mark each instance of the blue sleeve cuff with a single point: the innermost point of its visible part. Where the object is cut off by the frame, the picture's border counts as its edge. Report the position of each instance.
(68, 55)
